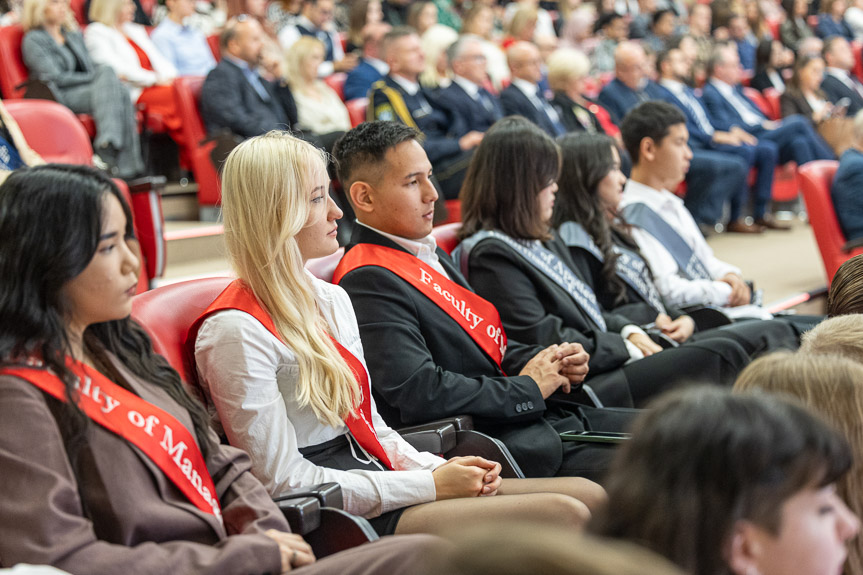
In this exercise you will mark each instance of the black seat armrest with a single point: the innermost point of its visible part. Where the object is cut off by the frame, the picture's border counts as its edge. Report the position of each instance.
(438, 438)
(303, 513)
(460, 422)
(339, 531)
(477, 443)
(327, 494)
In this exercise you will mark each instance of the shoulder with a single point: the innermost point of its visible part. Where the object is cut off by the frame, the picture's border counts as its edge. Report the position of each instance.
(231, 327)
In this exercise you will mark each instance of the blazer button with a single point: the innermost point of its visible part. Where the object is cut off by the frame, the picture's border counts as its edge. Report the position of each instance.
(530, 405)
(524, 407)
(518, 408)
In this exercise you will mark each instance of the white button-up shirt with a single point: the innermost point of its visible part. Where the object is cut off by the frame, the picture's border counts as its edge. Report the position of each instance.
(676, 289)
(424, 248)
(250, 380)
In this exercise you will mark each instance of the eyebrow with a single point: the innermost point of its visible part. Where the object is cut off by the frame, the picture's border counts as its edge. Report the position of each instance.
(108, 236)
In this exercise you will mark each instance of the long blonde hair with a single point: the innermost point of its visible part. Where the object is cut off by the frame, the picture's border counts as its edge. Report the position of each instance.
(265, 203)
(295, 57)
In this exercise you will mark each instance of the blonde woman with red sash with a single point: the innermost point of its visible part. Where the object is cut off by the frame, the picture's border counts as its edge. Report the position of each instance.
(107, 466)
(280, 359)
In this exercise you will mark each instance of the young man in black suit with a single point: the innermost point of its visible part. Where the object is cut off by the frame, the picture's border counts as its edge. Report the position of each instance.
(434, 348)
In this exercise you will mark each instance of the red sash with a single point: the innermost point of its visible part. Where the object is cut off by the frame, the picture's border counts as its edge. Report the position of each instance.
(154, 431)
(238, 296)
(476, 316)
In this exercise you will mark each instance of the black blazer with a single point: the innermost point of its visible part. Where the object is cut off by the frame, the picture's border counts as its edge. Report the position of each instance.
(423, 366)
(473, 114)
(761, 81)
(836, 90)
(516, 103)
(229, 101)
(793, 102)
(566, 108)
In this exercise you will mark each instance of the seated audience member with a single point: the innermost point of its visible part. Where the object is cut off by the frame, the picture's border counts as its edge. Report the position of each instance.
(838, 335)
(182, 45)
(466, 97)
(521, 27)
(588, 220)
(281, 13)
(630, 85)
(795, 27)
(831, 20)
(544, 22)
(804, 95)
(684, 268)
(425, 358)
(370, 68)
(811, 45)
(745, 483)
(362, 15)
(524, 548)
(434, 43)
(316, 19)
(399, 97)
(839, 83)
(319, 108)
(700, 22)
(745, 42)
(524, 96)
(735, 143)
(770, 60)
(612, 29)
(15, 152)
(847, 185)
(395, 12)
(639, 26)
(114, 40)
(507, 204)
(730, 108)
(117, 504)
(846, 289)
(422, 15)
(661, 29)
(234, 96)
(479, 20)
(832, 387)
(854, 19)
(54, 52)
(309, 422)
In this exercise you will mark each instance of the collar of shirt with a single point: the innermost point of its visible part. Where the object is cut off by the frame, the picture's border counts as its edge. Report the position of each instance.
(410, 87)
(657, 200)
(378, 65)
(528, 88)
(468, 86)
(839, 74)
(673, 86)
(307, 24)
(423, 248)
(726, 90)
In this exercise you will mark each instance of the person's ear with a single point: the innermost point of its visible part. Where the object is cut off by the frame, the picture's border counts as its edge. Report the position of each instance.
(362, 197)
(744, 550)
(647, 149)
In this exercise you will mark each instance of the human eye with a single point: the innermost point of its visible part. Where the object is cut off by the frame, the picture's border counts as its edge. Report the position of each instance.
(107, 248)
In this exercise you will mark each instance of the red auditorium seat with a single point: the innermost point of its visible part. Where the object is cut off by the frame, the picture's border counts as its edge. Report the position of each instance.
(213, 41)
(77, 7)
(323, 268)
(816, 179)
(785, 185)
(337, 83)
(168, 312)
(857, 70)
(357, 110)
(446, 236)
(453, 212)
(52, 130)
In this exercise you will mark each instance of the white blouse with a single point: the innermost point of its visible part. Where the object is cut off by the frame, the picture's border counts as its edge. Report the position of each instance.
(323, 116)
(249, 378)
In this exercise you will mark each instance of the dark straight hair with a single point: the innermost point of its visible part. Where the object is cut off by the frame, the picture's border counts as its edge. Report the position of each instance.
(701, 459)
(51, 219)
(512, 164)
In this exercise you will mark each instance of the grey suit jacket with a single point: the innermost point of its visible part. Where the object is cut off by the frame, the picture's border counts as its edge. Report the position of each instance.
(44, 58)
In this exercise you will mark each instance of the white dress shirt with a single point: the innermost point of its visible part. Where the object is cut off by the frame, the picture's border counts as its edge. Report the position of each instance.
(250, 378)
(424, 248)
(675, 288)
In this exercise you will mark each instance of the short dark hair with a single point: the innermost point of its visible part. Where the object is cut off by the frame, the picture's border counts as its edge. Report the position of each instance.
(606, 19)
(648, 120)
(366, 145)
(659, 15)
(662, 56)
(716, 58)
(725, 458)
(512, 164)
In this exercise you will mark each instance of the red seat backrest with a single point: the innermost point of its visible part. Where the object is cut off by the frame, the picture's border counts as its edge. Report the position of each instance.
(337, 83)
(213, 41)
(52, 130)
(323, 268)
(357, 110)
(446, 236)
(759, 100)
(816, 179)
(168, 312)
(187, 94)
(13, 72)
(77, 7)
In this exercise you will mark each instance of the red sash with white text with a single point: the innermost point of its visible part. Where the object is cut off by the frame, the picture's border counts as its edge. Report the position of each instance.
(151, 429)
(476, 316)
(238, 296)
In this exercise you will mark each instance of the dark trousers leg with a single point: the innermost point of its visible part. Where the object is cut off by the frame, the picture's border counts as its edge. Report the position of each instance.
(591, 460)
(740, 199)
(712, 179)
(755, 336)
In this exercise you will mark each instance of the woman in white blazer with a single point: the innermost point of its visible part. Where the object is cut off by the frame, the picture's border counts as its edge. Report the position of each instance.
(113, 39)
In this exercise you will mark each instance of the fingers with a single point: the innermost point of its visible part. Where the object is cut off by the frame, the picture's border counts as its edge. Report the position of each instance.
(576, 359)
(476, 461)
(663, 321)
(491, 488)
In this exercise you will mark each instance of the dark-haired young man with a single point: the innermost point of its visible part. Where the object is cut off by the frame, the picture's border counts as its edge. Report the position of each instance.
(433, 347)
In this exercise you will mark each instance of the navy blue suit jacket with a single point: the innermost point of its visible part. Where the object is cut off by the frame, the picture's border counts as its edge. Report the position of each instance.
(360, 80)
(836, 90)
(697, 137)
(847, 199)
(619, 99)
(474, 116)
(723, 115)
(516, 103)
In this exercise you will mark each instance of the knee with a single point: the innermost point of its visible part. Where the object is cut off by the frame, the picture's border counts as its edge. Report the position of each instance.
(568, 510)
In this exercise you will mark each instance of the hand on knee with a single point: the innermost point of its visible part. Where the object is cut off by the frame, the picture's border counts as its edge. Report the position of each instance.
(463, 477)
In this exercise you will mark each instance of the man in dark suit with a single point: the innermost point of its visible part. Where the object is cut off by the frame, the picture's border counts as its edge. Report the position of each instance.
(466, 97)
(847, 185)
(735, 144)
(424, 363)
(371, 68)
(523, 96)
(234, 96)
(630, 86)
(400, 97)
(838, 81)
